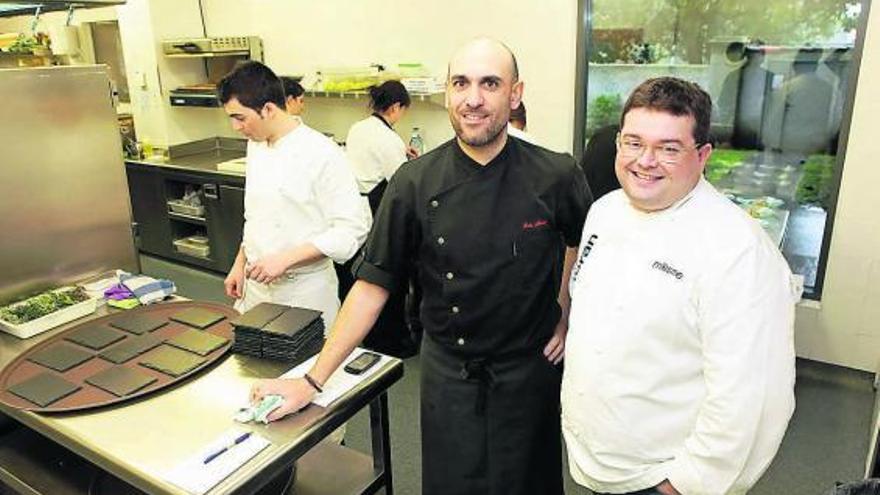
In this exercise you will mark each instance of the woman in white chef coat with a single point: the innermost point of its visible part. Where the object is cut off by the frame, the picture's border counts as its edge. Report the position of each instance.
(376, 152)
(374, 149)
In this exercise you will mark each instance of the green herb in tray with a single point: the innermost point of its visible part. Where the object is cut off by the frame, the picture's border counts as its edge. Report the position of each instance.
(41, 305)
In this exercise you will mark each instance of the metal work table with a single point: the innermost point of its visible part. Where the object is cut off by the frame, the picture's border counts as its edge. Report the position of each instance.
(139, 441)
(201, 156)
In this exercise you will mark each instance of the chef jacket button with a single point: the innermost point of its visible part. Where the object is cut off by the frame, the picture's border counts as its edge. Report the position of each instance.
(449, 276)
(435, 203)
(455, 309)
(460, 341)
(441, 241)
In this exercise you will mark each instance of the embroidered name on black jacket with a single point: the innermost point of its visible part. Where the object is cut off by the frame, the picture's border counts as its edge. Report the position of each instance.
(667, 268)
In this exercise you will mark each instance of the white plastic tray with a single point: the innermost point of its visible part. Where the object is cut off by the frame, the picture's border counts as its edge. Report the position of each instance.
(178, 206)
(190, 248)
(51, 320)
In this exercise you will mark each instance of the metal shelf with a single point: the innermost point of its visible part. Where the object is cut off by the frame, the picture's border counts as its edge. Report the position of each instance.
(239, 53)
(435, 98)
(187, 218)
(209, 100)
(318, 472)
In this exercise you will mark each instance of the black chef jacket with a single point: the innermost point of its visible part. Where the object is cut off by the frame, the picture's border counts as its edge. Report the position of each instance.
(487, 242)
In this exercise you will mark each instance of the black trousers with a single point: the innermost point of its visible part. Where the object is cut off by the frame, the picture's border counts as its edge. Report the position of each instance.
(489, 426)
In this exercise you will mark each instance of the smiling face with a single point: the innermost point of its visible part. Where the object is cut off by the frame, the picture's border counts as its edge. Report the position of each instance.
(481, 91)
(649, 183)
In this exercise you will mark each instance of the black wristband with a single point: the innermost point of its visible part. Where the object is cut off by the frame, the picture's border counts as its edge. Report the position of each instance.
(313, 383)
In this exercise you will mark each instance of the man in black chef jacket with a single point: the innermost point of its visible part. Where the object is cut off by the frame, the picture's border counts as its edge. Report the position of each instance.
(493, 224)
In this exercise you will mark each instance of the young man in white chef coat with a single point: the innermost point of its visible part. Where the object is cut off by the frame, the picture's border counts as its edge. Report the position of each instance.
(679, 373)
(302, 206)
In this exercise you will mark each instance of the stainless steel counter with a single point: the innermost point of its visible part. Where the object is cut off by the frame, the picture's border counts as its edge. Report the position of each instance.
(141, 440)
(202, 156)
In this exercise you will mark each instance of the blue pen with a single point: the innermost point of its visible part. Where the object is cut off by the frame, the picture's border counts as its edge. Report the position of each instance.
(238, 440)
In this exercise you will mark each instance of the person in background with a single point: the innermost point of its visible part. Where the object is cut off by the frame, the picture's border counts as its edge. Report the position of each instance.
(294, 96)
(517, 124)
(301, 207)
(484, 218)
(518, 117)
(680, 365)
(375, 152)
(598, 161)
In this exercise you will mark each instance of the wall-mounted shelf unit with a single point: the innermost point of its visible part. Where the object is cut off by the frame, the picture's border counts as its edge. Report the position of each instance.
(192, 98)
(434, 98)
(219, 54)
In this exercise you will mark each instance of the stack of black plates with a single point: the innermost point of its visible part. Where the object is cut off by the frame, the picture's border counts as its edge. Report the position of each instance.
(274, 331)
(249, 327)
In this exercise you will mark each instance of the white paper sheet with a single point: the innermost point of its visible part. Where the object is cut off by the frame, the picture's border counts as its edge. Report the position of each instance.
(197, 477)
(340, 381)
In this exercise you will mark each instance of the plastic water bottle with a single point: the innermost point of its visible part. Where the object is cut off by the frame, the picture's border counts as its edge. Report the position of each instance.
(416, 142)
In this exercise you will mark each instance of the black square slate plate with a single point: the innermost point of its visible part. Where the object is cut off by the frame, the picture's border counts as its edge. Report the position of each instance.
(132, 347)
(120, 380)
(44, 389)
(201, 343)
(260, 315)
(138, 323)
(172, 361)
(95, 337)
(292, 321)
(197, 317)
(60, 357)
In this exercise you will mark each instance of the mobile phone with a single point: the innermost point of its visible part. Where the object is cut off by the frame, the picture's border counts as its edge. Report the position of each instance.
(362, 363)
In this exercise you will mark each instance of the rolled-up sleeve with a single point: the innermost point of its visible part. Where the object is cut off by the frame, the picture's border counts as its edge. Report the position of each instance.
(345, 212)
(746, 322)
(391, 245)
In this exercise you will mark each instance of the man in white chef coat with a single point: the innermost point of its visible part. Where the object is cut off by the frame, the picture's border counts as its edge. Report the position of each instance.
(679, 373)
(302, 206)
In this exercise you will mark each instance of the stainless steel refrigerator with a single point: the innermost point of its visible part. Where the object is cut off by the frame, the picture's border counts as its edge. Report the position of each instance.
(65, 213)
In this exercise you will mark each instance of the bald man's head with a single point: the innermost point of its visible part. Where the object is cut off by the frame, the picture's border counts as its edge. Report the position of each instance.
(486, 43)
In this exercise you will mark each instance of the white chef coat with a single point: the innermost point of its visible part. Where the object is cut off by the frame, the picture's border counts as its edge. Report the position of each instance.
(523, 135)
(375, 152)
(680, 351)
(301, 189)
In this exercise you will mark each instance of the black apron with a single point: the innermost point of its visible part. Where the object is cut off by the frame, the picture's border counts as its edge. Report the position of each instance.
(489, 426)
(390, 334)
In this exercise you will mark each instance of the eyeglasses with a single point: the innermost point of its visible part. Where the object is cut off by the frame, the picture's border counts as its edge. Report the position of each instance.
(667, 153)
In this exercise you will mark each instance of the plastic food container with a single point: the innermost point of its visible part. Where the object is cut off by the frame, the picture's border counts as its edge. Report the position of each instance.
(51, 320)
(188, 247)
(349, 78)
(412, 70)
(198, 239)
(178, 206)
